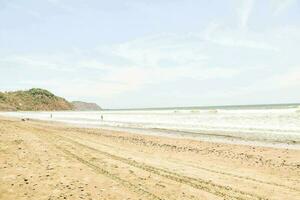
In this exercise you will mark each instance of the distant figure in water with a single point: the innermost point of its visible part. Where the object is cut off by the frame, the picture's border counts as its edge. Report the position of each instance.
(101, 117)
(51, 115)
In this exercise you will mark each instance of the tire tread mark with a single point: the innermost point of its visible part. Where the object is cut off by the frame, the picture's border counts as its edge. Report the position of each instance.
(220, 172)
(99, 170)
(197, 183)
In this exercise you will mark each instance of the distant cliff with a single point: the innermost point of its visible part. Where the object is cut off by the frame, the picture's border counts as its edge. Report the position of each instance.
(84, 106)
(35, 99)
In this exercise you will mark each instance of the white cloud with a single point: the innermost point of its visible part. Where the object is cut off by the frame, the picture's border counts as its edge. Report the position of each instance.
(290, 79)
(138, 77)
(277, 83)
(60, 4)
(15, 6)
(151, 60)
(279, 6)
(160, 59)
(153, 51)
(214, 33)
(35, 62)
(243, 9)
(163, 58)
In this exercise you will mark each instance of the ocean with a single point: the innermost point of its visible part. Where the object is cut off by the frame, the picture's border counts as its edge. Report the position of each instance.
(274, 125)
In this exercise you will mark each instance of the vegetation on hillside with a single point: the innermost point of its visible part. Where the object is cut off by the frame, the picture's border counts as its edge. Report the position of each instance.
(32, 100)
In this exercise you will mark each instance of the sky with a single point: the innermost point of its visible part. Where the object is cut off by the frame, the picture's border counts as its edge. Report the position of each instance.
(153, 53)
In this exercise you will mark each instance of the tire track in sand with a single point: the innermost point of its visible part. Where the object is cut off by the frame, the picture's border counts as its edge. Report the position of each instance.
(211, 170)
(208, 186)
(201, 168)
(144, 193)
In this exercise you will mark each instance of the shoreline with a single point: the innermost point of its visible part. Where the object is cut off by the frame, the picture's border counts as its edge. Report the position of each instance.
(42, 160)
(209, 136)
(205, 136)
(268, 132)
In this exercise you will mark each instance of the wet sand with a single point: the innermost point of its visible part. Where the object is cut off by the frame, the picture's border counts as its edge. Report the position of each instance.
(42, 160)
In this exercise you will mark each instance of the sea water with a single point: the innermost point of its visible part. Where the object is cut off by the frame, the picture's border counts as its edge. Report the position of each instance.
(269, 123)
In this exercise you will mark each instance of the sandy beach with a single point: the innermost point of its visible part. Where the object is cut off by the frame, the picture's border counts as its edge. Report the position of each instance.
(43, 160)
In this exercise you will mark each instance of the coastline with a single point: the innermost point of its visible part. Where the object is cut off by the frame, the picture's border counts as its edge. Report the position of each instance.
(268, 125)
(253, 138)
(208, 136)
(41, 160)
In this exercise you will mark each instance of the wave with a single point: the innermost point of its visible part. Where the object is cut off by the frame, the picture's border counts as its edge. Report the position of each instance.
(211, 111)
(262, 122)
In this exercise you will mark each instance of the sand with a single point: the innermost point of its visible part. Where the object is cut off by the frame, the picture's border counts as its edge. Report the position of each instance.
(43, 160)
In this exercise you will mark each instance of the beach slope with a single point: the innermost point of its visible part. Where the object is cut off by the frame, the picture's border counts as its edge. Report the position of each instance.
(43, 160)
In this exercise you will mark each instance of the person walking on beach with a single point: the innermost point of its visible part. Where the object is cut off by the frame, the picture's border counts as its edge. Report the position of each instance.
(101, 117)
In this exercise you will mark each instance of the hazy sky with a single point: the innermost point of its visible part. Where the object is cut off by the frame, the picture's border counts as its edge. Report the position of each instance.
(153, 53)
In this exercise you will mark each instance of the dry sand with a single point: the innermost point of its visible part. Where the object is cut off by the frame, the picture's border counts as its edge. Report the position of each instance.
(42, 160)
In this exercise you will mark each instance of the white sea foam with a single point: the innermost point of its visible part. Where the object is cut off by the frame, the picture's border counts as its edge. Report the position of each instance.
(281, 125)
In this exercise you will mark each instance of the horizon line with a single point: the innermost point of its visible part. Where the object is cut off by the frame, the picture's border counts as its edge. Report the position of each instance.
(212, 106)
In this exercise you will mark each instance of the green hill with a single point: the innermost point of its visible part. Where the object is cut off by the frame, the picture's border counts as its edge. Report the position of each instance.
(32, 100)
